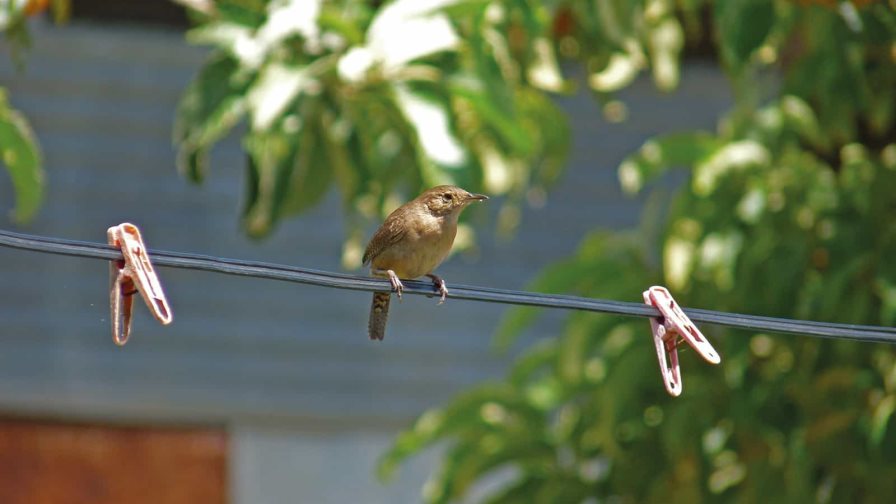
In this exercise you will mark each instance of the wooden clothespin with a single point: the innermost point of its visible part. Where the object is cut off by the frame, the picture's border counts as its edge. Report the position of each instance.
(667, 328)
(130, 275)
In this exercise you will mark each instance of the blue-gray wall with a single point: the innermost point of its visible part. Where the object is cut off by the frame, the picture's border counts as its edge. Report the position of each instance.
(310, 401)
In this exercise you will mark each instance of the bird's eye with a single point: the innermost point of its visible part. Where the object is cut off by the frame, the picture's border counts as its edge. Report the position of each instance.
(447, 196)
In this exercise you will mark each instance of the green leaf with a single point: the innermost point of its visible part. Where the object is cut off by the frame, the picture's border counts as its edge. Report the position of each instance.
(271, 163)
(573, 350)
(210, 106)
(503, 121)
(538, 110)
(20, 154)
(333, 18)
(800, 117)
(312, 172)
(250, 13)
(742, 26)
(881, 419)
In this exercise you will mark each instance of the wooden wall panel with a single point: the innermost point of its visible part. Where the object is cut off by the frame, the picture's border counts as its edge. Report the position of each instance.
(59, 463)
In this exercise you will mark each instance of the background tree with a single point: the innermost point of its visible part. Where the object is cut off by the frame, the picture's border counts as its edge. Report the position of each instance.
(788, 211)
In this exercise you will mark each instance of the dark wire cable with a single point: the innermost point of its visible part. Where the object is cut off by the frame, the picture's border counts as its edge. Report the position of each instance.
(342, 281)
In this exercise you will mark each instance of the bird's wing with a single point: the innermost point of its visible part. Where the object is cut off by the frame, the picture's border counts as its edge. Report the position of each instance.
(389, 233)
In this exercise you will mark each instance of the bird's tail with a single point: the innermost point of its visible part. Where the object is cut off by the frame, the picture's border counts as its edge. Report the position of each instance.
(379, 312)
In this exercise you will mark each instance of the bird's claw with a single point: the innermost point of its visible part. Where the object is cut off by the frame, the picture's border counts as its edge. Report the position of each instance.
(443, 291)
(440, 286)
(397, 286)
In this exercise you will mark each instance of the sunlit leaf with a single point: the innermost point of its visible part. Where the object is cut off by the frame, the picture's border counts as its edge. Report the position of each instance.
(432, 123)
(729, 158)
(405, 30)
(666, 43)
(544, 72)
(802, 119)
(718, 256)
(621, 70)
(276, 87)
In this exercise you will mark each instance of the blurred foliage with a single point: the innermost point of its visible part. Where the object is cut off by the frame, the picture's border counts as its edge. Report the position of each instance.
(378, 101)
(14, 15)
(789, 211)
(19, 151)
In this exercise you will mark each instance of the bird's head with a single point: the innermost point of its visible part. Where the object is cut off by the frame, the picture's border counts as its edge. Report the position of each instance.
(446, 200)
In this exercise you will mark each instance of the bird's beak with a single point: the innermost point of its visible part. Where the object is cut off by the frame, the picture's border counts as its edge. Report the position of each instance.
(476, 197)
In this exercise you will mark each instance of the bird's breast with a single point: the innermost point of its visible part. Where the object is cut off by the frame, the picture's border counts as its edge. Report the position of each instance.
(422, 248)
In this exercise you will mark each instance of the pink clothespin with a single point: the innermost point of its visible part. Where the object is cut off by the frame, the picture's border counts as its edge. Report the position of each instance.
(666, 329)
(130, 275)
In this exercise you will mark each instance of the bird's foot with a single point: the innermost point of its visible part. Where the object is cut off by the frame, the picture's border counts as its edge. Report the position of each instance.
(397, 286)
(440, 285)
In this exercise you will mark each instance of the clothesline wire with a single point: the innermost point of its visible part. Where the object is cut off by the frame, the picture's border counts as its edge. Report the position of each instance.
(288, 273)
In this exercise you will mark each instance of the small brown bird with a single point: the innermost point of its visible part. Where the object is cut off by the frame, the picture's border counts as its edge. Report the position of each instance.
(413, 240)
